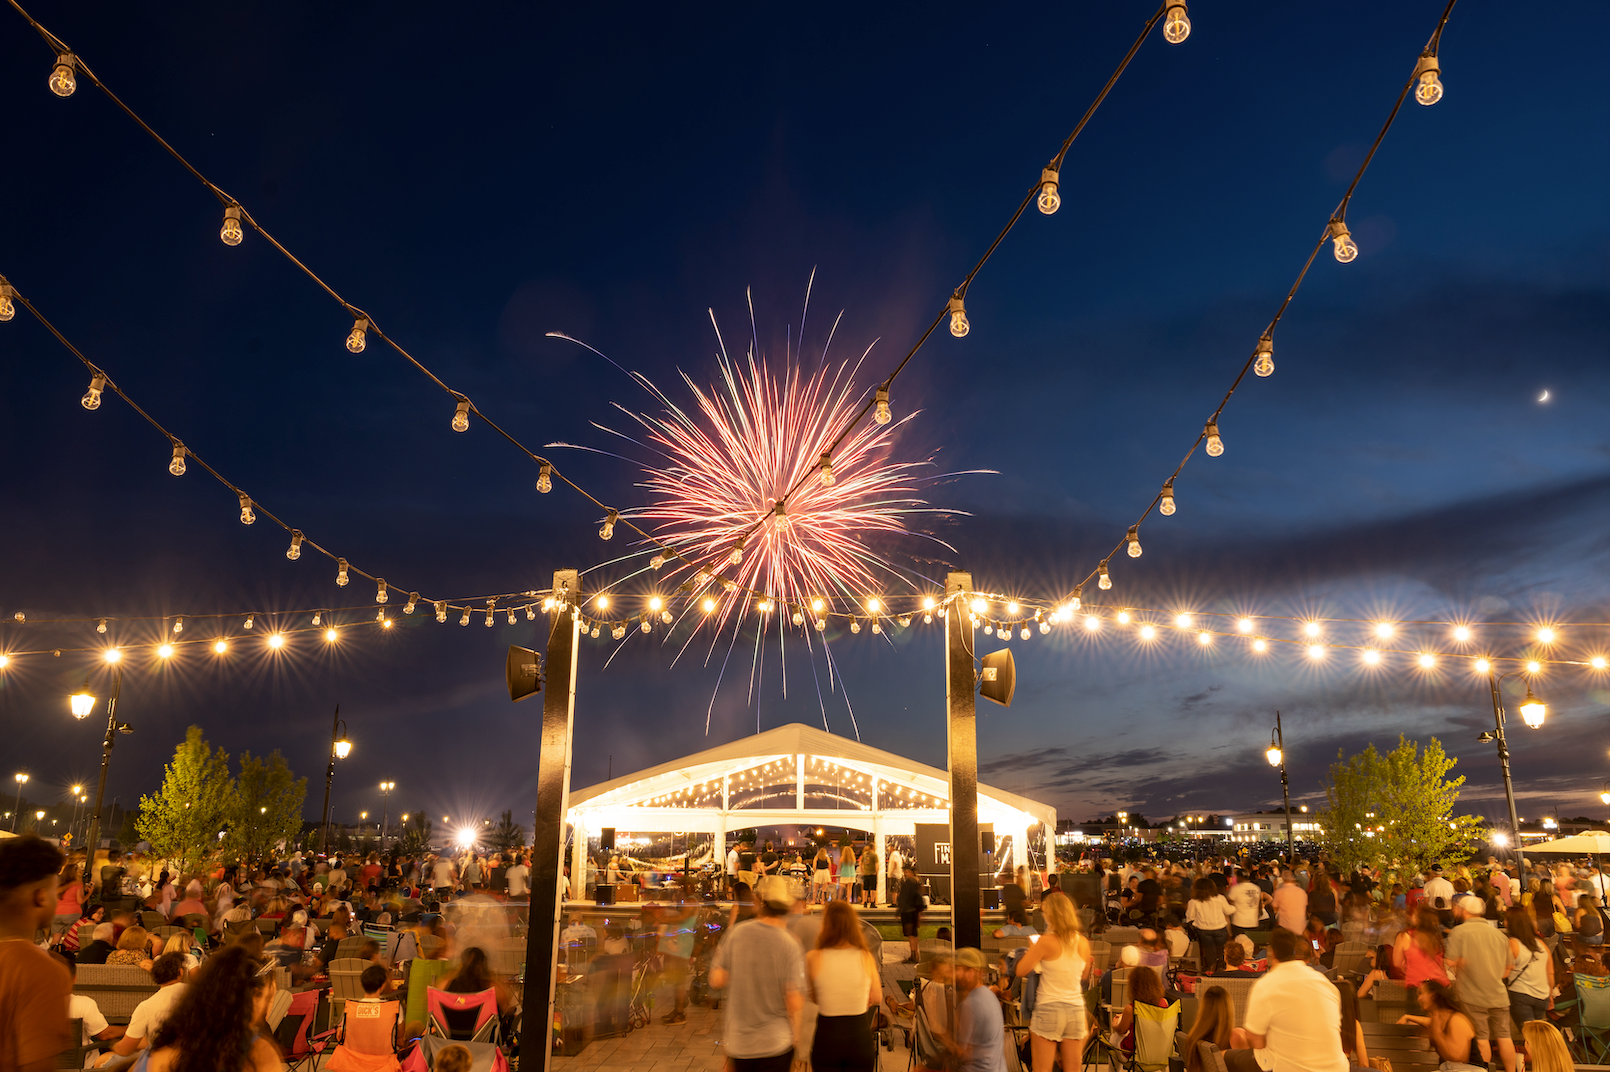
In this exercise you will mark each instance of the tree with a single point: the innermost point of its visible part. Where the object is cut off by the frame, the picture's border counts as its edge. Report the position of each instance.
(415, 835)
(1395, 808)
(507, 835)
(181, 821)
(265, 808)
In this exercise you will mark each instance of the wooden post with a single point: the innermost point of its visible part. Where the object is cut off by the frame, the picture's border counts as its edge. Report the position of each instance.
(966, 926)
(553, 800)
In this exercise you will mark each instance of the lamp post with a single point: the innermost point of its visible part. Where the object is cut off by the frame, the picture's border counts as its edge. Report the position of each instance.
(1533, 711)
(385, 800)
(78, 800)
(340, 747)
(22, 780)
(82, 704)
(1276, 755)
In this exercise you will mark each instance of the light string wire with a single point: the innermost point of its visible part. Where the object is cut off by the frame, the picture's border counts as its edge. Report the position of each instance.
(301, 539)
(1338, 216)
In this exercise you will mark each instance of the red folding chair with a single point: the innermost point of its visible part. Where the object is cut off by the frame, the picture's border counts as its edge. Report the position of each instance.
(301, 1047)
(462, 1017)
(367, 1039)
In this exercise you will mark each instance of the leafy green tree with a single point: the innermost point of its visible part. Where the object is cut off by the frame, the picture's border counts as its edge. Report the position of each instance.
(265, 809)
(415, 835)
(181, 821)
(1396, 808)
(506, 834)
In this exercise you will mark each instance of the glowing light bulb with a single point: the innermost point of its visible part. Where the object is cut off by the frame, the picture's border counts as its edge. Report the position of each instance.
(1316, 651)
(594, 633)
(1461, 633)
(489, 615)
(601, 602)
(1147, 632)
(440, 606)
(798, 617)
(246, 514)
(1346, 248)
(1183, 620)
(530, 613)
(276, 641)
(231, 232)
(821, 624)
(1384, 629)
(331, 635)
(92, 397)
(1092, 623)
(176, 465)
(220, 646)
(341, 572)
(1427, 660)
(826, 465)
(165, 650)
(1049, 199)
(1546, 635)
(1482, 666)
(461, 416)
(1204, 638)
(359, 334)
(905, 621)
(734, 558)
(62, 79)
(607, 532)
(979, 606)
(112, 655)
(1026, 632)
(1134, 541)
(959, 326)
(100, 625)
(413, 601)
(855, 625)
(1428, 89)
(618, 632)
(1533, 666)
(8, 308)
(655, 603)
(294, 552)
(247, 624)
(1166, 505)
(1311, 629)
(657, 562)
(647, 626)
(511, 615)
(464, 619)
(1104, 579)
(1215, 445)
(709, 605)
(1260, 645)
(545, 478)
(880, 412)
(1263, 361)
(382, 595)
(1244, 625)
(1597, 662)
(1176, 27)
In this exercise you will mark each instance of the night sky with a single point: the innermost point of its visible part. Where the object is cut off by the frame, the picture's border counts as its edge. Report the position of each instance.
(478, 177)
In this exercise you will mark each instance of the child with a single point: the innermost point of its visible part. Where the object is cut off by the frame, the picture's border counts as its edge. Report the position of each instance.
(454, 1059)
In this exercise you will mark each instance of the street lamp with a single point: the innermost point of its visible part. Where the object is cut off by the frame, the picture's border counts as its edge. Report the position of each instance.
(82, 704)
(1276, 755)
(385, 794)
(1533, 711)
(340, 748)
(22, 780)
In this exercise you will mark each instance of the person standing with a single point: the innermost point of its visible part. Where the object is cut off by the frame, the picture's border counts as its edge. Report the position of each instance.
(1210, 912)
(844, 983)
(761, 968)
(979, 1039)
(846, 872)
(1061, 957)
(1479, 955)
(732, 871)
(1290, 904)
(34, 987)
(869, 876)
(908, 902)
(1246, 899)
(897, 868)
(746, 864)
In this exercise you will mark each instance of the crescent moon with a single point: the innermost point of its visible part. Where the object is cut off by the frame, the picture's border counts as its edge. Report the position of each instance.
(1544, 397)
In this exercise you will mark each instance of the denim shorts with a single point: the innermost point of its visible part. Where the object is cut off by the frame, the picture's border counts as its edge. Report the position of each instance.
(1057, 1021)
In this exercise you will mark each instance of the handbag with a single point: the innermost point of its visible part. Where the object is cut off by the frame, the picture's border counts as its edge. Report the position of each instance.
(1562, 923)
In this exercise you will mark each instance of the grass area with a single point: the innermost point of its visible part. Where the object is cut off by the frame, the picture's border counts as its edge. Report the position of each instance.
(891, 931)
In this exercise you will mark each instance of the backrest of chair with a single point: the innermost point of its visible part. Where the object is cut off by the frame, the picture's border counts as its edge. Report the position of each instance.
(1212, 1057)
(465, 1017)
(1349, 956)
(507, 958)
(1239, 990)
(73, 1056)
(350, 946)
(1593, 1001)
(266, 926)
(927, 1045)
(1120, 987)
(346, 985)
(116, 988)
(422, 974)
(292, 1034)
(1100, 953)
(169, 931)
(349, 964)
(279, 1006)
(322, 926)
(1154, 1034)
(236, 930)
(370, 1027)
(152, 920)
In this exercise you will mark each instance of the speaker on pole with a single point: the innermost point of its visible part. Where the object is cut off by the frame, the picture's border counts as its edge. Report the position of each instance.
(998, 678)
(988, 841)
(606, 839)
(523, 672)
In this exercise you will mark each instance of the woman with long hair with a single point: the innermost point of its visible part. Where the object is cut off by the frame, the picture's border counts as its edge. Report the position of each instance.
(1145, 988)
(1417, 952)
(1061, 956)
(1547, 1047)
(1589, 926)
(1210, 912)
(218, 1026)
(1381, 970)
(845, 985)
(821, 875)
(1452, 1034)
(474, 975)
(1352, 1031)
(846, 871)
(1530, 975)
(1215, 1020)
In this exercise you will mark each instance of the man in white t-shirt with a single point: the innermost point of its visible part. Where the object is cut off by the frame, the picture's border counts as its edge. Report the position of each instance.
(152, 1013)
(1437, 886)
(83, 1007)
(1245, 900)
(732, 869)
(1294, 1016)
(897, 866)
(519, 879)
(442, 876)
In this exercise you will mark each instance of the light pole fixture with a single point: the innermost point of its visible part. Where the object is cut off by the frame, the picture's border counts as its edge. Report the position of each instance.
(340, 748)
(22, 780)
(385, 795)
(82, 705)
(1276, 755)
(1534, 711)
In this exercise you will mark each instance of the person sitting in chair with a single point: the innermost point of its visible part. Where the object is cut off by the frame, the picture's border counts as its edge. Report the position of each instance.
(1017, 925)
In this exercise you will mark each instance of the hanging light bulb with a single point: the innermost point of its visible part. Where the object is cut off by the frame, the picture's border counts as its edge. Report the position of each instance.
(294, 551)
(1049, 199)
(220, 646)
(1176, 27)
(826, 465)
(530, 613)
(959, 326)
(855, 625)
(607, 532)
(8, 309)
(511, 615)
(665, 616)
(100, 625)
(734, 558)
(1215, 445)
(1092, 622)
(798, 616)
(341, 573)
(1263, 362)
(464, 619)
(381, 593)
(178, 626)
(657, 562)
(176, 464)
(413, 600)
(779, 514)
(489, 610)
(316, 616)
(1134, 541)
(380, 614)
(1077, 601)
(594, 633)
(1244, 625)
(880, 412)
(1104, 579)
(1346, 248)
(1166, 506)
(618, 631)
(92, 397)
(441, 610)
(905, 621)
(1429, 89)
(1026, 631)
(231, 232)
(709, 605)
(646, 625)
(821, 624)
(62, 79)
(246, 514)
(461, 414)
(247, 624)
(1045, 626)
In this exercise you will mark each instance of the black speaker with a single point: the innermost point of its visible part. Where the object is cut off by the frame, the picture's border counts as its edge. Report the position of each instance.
(998, 679)
(606, 838)
(987, 839)
(605, 894)
(523, 672)
(1085, 889)
(990, 898)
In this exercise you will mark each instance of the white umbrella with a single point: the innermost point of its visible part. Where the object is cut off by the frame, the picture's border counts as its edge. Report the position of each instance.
(1590, 841)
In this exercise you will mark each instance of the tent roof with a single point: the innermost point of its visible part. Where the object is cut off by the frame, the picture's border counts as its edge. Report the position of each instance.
(1589, 841)
(792, 739)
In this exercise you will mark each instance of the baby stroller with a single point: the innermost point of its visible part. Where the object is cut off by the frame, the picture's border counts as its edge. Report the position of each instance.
(640, 1013)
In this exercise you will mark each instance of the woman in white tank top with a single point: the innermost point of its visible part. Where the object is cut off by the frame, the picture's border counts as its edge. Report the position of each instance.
(846, 988)
(1061, 957)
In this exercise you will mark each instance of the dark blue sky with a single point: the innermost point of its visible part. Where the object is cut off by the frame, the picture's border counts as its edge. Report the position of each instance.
(479, 179)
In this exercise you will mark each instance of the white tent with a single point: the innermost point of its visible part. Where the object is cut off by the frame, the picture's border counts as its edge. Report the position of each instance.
(792, 775)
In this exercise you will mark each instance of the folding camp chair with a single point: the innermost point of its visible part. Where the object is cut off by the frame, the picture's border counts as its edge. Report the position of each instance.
(1154, 1039)
(346, 984)
(73, 1056)
(1593, 1015)
(367, 1039)
(302, 1049)
(924, 1045)
(462, 1017)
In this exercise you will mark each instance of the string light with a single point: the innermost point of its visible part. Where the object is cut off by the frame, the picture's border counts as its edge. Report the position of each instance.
(880, 412)
(1597, 662)
(100, 625)
(1049, 199)
(1316, 651)
(381, 594)
(1461, 634)
(92, 397)
(544, 478)
(1384, 629)
(1147, 632)
(62, 80)
(530, 613)
(1092, 623)
(441, 609)
(1533, 667)
(657, 562)
(1263, 361)
(1244, 625)
(511, 615)
(413, 601)
(276, 641)
(1482, 666)
(220, 646)
(316, 616)
(247, 624)
(1215, 445)
(176, 465)
(331, 636)
(1428, 91)
(231, 232)
(1105, 581)
(1372, 657)
(1260, 645)
(8, 308)
(1204, 638)
(165, 651)
(1134, 541)
(1183, 620)
(341, 572)
(464, 619)
(358, 337)
(178, 626)
(1176, 27)
(294, 551)
(1546, 635)
(855, 626)
(385, 622)
(959, 325)
(1166, 505)
(489, 610)
(247, 516)
(1346, 248)
(461, 414)
(1311, 629)
(734, 558)
(618, 633)
(1427, 660)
